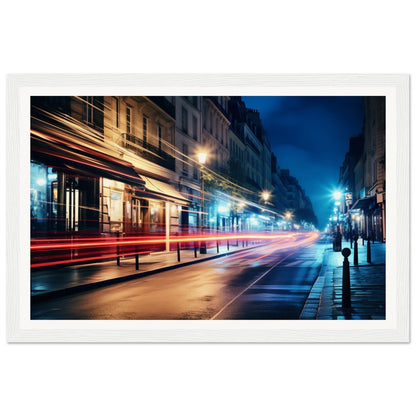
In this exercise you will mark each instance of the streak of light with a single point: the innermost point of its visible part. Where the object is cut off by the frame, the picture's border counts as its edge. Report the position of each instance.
(285, 241)
(69, 243)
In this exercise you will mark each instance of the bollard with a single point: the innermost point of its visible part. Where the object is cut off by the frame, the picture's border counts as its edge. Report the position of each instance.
(351, 240)
(137, 258)
(346, 285)
(118, 249)
(356, 250)
(195, 250)
(368, 250)
(228, 245)
(218, 247)
(179, 251)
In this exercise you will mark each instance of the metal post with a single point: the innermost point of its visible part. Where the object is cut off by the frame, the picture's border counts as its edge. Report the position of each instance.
(137, 258)
(218, 247)
(355, 250)
(118, 249)
(346, 285)
(228, 245)
(203, 244)
(195, 250)
(368, 250)
(179, 251)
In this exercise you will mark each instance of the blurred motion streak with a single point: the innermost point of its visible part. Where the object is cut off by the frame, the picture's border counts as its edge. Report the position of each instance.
(52, 252)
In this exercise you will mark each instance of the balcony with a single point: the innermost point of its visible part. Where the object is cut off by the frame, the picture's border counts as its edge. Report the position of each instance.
(148, 151)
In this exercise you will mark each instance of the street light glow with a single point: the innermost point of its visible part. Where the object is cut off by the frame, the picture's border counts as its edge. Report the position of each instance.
(337, 195)
(265, 195)
(202, 157)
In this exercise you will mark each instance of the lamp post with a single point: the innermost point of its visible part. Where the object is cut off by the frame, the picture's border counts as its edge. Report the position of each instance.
(288, 218)
(337, 239)
(202, 158)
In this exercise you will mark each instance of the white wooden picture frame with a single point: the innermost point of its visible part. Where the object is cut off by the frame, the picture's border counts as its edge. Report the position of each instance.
(395, 328)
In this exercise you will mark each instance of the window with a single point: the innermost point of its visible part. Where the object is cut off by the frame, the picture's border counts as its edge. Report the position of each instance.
(159, 135)
(128, 120)
(194, 127)
(184, 120)
(117, 110)
(144, 130)
(93, 111)
(185, 161)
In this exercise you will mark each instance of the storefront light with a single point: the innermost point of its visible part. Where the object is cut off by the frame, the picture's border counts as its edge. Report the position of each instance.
(222, 209)
(41, 182)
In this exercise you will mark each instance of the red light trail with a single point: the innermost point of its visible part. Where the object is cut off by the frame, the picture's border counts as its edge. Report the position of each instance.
(47, 254)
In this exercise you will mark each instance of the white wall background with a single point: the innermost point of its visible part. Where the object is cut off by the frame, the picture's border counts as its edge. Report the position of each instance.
(215, 36)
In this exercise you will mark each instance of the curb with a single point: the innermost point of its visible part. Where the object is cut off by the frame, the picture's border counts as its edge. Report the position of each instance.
(313, 301)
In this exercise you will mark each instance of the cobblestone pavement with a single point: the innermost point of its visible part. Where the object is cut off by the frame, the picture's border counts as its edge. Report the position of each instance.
(367, 281)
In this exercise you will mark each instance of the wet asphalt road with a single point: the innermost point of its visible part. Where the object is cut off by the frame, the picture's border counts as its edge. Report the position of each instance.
(264, 283)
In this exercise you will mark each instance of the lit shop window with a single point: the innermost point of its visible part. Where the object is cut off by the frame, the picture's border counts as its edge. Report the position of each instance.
(156, 216)
(116, 210)
(43, 197)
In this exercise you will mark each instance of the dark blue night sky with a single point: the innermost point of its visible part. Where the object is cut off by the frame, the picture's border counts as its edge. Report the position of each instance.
(310, 137)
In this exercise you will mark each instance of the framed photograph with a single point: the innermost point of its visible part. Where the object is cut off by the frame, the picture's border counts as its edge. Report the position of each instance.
(208, 208)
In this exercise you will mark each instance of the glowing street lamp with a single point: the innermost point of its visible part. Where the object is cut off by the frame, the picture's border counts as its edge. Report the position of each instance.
(202, 158)
(265, 195)
(337, 195)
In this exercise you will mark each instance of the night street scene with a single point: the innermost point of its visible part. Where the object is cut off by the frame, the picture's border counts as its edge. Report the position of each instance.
(207, 208)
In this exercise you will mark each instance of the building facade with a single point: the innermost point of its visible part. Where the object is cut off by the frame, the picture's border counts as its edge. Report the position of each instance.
(363, 175)
(127, 166)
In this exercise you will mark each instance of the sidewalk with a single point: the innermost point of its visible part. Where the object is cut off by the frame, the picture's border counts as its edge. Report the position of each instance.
(67, 280)
(367, 286)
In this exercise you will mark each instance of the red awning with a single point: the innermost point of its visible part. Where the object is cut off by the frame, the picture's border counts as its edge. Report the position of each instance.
(64, 154)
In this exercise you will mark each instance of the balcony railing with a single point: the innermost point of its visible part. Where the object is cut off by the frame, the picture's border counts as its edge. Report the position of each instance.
(148, 151)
